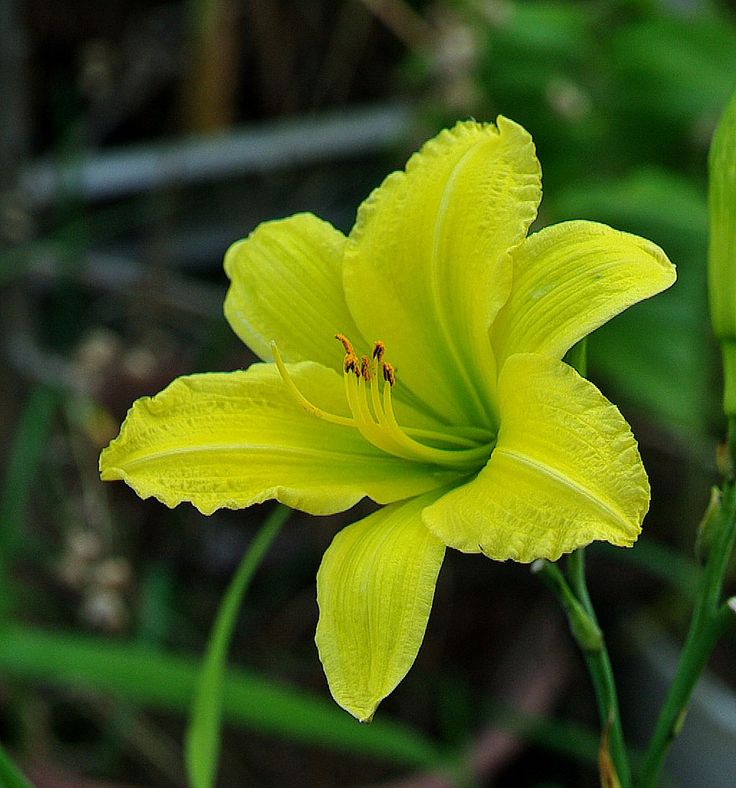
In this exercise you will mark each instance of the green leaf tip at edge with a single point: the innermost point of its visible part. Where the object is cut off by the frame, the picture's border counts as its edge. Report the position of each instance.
(202, 745)
(10, 775)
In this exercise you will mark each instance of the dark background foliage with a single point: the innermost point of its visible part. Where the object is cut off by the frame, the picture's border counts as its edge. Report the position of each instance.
(137, 141)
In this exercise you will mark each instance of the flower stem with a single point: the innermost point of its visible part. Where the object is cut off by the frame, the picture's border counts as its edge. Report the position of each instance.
(585, 630)
(584, 627)
(731, 447)
(601, 674)
(728, 350)
(613, 756)
(710, 618)
(202, 745)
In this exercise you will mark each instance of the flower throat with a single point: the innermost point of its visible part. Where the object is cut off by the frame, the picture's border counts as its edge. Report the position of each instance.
(368, 382)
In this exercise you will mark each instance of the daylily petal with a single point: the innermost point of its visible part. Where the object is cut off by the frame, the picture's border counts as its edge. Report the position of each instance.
(571, 278)
(234, 439)
(565, 471)
(286, 287)
(374, 589)
(426, 266)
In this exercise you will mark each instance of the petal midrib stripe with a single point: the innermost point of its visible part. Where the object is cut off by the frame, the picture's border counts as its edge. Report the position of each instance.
(448, 336)
(251, 447)
(611, 511)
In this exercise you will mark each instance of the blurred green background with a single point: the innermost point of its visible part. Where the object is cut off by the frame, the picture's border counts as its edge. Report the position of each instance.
(137, 141)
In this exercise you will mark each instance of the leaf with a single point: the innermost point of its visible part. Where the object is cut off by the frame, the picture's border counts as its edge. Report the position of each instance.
(202, 746)
(18, 483)
(29, 444)
(657, 354)
(160, 680)
(10, 775)
(676, 68)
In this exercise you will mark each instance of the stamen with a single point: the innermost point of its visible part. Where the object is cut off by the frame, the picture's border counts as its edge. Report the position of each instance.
(345, 342)
(459, 457)
(351, 364)
(379, 426)
(386, 414)
(343, 421)
(364, 420)
(373, 416)
(378, 350)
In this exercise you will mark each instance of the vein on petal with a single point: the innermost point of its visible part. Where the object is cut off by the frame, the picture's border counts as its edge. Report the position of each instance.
(249, 447)
(611, 511)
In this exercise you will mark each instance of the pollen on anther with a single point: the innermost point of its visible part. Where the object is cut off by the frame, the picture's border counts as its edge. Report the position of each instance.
(345, 342)
(378, 350)
(351, 364)
(388, 373)
(365, 369)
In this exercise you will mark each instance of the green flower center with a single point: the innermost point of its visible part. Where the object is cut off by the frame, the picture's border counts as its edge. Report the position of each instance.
(368, 390)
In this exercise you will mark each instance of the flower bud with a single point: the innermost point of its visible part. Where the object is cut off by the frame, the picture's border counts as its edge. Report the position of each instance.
(722, 245)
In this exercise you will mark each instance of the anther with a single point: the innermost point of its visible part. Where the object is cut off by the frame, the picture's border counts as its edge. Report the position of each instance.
(345, 342)
(372, 414)
(378, 350)
(351, 364)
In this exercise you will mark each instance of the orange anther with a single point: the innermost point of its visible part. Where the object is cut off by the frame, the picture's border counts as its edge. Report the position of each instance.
(378, 350)
(345, 342)
(365, 369)
(388, 373)
(351, 364)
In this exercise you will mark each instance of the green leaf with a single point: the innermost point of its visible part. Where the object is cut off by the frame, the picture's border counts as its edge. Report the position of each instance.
(677, 68)
(21, 471)
(10, 776)
(28, 448)
(639, 350)
(203, 735)
(164, 681)
(561, 736)
(543, 30)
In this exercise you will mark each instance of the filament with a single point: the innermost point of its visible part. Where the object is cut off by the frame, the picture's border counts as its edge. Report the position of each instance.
(368, 383)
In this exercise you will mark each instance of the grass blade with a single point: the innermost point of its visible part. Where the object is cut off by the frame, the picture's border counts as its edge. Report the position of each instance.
(160, 680)
(21, 471)
(10, 776)
(202, 748)
(29, 445)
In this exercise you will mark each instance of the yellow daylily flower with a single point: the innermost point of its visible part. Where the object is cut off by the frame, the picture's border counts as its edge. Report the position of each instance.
(449, 402)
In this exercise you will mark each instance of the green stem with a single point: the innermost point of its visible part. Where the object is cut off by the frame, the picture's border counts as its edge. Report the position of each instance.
(584, 629)
(731, 444)
(597, 660)
(576, 602)
(576, 572)
(601, 674)
(202, 746)
(709, 619)
(728, 349)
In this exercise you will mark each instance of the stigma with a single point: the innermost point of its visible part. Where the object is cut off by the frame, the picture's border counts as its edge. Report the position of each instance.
(368, 382)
